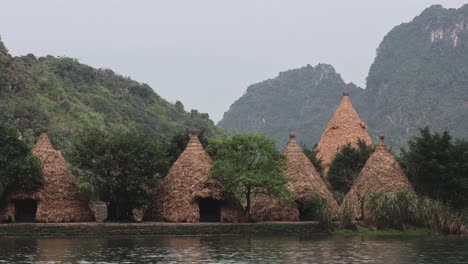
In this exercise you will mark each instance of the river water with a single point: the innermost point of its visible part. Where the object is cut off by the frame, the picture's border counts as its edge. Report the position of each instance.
(236, 249)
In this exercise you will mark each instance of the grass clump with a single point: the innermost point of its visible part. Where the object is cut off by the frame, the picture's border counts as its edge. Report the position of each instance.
(405, 209)
(320, 210)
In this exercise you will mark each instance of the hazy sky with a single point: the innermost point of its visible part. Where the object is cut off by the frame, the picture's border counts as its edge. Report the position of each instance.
(206, 53)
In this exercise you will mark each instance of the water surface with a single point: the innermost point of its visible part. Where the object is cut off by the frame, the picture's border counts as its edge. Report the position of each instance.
(236, 249)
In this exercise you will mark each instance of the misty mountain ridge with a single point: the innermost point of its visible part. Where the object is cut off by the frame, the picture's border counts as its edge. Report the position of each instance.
(418, 78)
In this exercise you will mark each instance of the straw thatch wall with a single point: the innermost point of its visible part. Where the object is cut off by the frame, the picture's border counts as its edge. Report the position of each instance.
(188, 181)
(304, 181)
(344, 127)
(380, 174)
(59, 200)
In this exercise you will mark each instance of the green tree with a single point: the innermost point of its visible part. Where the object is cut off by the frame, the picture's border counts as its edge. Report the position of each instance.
(249, 165)
(347, 164)
(19, 169)
(121, 167)
(437, 166)
(311, 154)
(179, 141)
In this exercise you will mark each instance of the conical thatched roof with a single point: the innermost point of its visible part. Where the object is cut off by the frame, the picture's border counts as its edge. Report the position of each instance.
(304, 181)
(59, 199)
(381, 174)
(344, 127)
(187, 181)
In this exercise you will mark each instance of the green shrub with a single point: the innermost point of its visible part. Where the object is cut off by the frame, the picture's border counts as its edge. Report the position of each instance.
(405, 208)
(319, 210)
(346, 215)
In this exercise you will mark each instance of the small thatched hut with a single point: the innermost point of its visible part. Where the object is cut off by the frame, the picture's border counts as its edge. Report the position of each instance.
(187, 194)
(344, 127)
(380, 174)
(59, 199)
(304, 181)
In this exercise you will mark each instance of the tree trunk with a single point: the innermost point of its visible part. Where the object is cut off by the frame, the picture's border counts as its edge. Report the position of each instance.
(362, 211)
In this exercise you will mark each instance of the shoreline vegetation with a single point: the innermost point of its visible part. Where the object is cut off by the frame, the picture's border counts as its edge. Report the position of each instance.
(98, 229)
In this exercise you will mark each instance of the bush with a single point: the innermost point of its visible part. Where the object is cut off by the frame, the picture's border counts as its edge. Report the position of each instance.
(402, 209)
(318, 209)
(120, 169)
(346, 216)
(437, 166)
(347, 164)
(20, 171)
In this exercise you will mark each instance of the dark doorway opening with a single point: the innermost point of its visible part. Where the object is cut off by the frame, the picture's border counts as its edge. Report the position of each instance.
(210, 210)
(25, 210)
(306, 212)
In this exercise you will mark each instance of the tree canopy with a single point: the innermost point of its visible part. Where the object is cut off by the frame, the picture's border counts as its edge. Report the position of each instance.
(120, 168)
(347, 164)
(19, 169)
(437, 166)
(249, 165)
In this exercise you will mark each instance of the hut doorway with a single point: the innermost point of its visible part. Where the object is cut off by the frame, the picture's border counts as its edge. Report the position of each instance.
(25, 210)
(210, 210)
(306, 212)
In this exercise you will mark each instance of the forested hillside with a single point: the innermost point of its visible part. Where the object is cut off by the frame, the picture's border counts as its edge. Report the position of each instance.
(300, 100)
(419, 78)
(64, 96)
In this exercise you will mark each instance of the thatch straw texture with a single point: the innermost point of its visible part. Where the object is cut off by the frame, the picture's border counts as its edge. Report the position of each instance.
(304, 181)
(380, 174)
(265, 208)
(59, 200)
(344, 127)
(188, 181)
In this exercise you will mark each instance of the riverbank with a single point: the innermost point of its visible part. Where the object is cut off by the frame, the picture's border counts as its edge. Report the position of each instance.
(152, 228)
(362, 231)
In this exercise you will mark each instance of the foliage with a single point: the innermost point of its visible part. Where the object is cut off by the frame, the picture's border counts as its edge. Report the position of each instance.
(19, 169)
(179, 141)
(437, 166)
(405, 208)
(311, 154)
(317, 208)
(347, 165)
(65, 96)
(122, 168)
(249, 165)
(346, 215)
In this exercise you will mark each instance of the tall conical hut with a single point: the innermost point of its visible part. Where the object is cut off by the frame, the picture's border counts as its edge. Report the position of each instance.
(344, 127)
(380, 174)
(303, 182)
(59, 199)
(188, 194)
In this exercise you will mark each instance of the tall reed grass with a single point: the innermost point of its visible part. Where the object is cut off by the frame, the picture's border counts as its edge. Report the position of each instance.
(318, 206)
(403, 209)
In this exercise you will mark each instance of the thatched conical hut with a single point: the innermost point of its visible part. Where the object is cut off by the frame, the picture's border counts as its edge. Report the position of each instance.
(304, 181)
(344, 127)
(59, 199)
(380, 174)
(187, 194)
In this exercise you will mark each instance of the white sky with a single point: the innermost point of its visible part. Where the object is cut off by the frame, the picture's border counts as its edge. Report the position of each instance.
(206, 52)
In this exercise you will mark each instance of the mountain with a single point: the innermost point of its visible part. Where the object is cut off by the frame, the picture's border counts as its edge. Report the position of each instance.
(419, 78)
(65, 96)
(300, 100)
